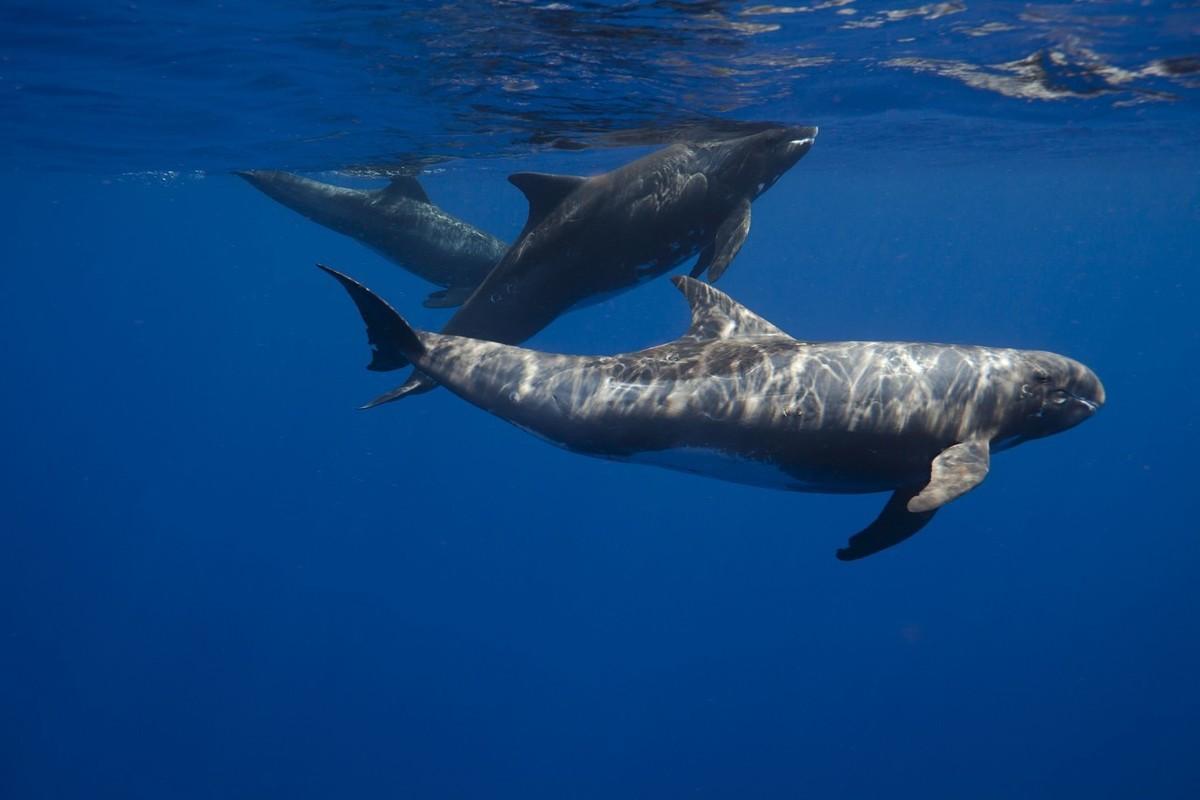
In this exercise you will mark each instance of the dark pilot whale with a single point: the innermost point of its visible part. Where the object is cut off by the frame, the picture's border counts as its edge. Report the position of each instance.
(736, 398)
(397, 221)
(590, 237)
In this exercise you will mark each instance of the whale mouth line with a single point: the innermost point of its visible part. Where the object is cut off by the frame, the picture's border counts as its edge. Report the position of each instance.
(1091, 405)
(808, 140)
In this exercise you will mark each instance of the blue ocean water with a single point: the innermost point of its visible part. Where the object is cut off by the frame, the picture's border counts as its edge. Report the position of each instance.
(220, 579)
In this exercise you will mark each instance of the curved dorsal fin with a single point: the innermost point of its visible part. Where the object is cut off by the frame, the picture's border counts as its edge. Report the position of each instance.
(716, 315)
(544, 191)
(404, 186)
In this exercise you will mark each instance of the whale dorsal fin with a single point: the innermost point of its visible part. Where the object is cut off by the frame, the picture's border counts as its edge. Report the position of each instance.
(716, 315)
(544, 191)
(404, 187)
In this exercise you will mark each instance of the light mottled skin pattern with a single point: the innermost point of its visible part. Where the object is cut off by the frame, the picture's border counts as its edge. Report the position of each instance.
(737, 398)
(412, 232)
(829, 416)
(610, 232)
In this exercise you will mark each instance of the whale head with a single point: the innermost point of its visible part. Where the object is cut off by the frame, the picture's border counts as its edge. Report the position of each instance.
(749, 165)
(1055, 393)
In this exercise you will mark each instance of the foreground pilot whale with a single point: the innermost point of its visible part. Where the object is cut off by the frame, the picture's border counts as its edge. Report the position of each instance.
(397, 221)
(738, 399)
(590, 237)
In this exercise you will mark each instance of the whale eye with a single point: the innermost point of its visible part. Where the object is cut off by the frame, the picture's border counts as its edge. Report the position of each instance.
(1059, 397)
(1042, 377)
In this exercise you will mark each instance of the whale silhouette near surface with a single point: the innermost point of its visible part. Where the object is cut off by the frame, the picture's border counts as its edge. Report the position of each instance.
(398, 221)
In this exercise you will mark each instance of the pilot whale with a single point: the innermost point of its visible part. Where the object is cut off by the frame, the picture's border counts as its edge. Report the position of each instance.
(590, 237)
(397, 221)
(737, 398)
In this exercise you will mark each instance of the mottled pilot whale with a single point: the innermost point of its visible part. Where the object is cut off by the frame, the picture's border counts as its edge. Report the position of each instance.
(400, 223)
(586, 238)
(737, 398)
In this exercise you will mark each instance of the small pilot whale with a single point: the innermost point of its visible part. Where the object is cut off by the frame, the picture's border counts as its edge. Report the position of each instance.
(397, 221)
(738, 399)
(590, 237)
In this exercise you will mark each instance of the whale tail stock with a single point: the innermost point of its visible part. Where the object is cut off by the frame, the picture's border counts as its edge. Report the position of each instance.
(394, 343)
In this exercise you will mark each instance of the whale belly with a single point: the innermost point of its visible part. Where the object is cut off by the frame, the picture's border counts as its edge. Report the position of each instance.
(737, 468)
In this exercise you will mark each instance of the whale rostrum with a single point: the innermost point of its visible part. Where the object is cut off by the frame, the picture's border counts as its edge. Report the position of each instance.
(737, 398)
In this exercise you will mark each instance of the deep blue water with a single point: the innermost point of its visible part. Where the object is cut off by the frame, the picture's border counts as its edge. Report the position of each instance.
(218, 579)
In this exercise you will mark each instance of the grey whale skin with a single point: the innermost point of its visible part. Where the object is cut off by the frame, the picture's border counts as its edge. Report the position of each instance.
(590, 237)
(738, 399)
(397, 221)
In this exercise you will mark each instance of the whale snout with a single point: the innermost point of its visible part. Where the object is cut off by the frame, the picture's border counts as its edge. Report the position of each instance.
(1085, 396)
(1090, 391)
(800, 139)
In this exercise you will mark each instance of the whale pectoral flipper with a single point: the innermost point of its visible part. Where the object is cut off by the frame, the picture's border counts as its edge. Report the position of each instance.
(448, 298)
(894, 524)
(956, 471)
(726, 243)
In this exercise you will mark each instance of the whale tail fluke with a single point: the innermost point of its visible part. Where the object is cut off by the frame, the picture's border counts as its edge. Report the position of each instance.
(394, 343)
(417, 383)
